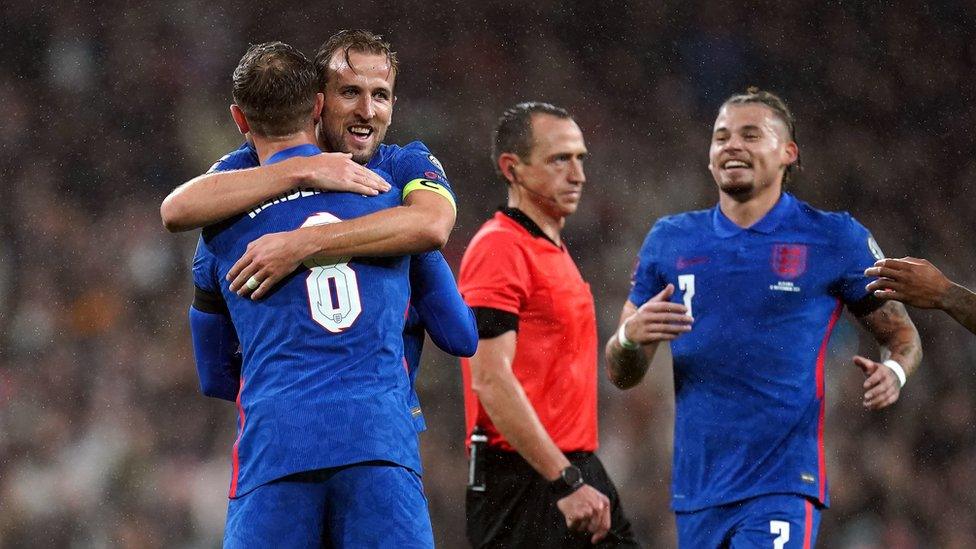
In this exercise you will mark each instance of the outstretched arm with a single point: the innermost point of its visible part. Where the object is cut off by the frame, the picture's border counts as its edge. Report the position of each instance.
(642, 328)
(918, 283)
(216, 196)
(896, 334)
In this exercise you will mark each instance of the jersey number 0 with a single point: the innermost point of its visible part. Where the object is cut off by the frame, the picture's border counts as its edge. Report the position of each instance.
(333, 290)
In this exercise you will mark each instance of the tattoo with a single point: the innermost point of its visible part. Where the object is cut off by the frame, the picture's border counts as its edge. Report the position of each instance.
(960, 303)
(895, 332)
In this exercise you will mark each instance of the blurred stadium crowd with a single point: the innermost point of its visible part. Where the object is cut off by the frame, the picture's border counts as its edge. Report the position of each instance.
(104, 438)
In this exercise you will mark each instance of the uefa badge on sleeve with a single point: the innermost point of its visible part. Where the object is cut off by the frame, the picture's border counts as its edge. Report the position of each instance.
(433, 160)
(875, 249)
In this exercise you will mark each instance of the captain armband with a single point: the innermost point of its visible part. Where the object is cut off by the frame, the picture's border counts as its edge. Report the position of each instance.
(428, 185)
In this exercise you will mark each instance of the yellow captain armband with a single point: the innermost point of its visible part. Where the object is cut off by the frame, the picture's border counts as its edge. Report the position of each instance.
(428, 185)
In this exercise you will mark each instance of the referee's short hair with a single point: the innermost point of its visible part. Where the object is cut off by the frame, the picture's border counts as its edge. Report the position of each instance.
(275, 87)
(513, 131)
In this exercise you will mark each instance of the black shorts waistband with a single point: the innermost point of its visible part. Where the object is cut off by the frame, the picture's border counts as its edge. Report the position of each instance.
(513, 460)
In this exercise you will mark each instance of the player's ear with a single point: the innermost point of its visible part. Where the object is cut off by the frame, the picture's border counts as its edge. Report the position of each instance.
(317, 109)
(792, 152)
(239, 119)
(506, 165)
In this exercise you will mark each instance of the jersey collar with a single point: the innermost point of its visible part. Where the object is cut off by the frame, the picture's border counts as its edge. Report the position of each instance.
(526, 222)
(724, 227)
(378, 157)
(298, 150)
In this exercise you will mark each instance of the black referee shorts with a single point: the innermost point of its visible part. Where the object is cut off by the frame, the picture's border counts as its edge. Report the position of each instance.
(517, 510)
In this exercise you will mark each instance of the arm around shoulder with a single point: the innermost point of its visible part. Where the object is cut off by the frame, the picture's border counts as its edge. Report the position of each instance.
(215, 196)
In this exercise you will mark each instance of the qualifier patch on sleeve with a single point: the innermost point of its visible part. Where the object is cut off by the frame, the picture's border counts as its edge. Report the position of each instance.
(433, 160)
(875, 249)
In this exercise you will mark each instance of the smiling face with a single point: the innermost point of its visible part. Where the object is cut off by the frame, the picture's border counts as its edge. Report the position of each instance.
(750, 151)
(358, 104)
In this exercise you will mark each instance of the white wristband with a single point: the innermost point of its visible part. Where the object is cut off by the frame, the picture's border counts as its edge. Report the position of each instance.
(897, 369)
(622, 338)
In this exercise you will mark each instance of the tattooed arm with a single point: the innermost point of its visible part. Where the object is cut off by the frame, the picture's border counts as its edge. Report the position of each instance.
(896, 334)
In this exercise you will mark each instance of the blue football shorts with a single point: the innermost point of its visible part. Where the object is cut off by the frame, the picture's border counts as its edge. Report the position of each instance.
(776, 521)
(372, 504)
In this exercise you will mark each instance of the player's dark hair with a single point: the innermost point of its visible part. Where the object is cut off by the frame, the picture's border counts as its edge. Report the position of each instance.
(275, 87)
(513, 131)
(776, 104)
(357, 40)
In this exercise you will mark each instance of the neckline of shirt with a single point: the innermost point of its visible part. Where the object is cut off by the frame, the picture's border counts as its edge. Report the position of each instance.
(725, 227)
(526, 222)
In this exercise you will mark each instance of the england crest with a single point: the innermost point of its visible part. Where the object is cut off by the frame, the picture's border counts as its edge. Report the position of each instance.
(789, 261)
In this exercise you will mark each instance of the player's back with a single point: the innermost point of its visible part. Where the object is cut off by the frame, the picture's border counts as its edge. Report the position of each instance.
(323, 382)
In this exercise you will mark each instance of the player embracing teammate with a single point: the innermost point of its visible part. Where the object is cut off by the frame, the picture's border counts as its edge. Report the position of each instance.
(747, 293)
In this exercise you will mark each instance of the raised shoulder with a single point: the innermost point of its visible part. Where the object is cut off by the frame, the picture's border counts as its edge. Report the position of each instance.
(239, 159)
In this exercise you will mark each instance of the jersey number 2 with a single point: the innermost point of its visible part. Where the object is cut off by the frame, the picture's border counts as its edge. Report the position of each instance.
(333, 290)
(687, 284)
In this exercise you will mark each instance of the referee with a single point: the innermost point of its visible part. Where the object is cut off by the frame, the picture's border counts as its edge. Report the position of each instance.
(530, 390)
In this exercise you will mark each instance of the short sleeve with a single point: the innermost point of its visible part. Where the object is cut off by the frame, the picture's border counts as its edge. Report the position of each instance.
(416, 162)
(205, 269)
(858, 251)
(243, 157)
(647, 280)
(495, 273)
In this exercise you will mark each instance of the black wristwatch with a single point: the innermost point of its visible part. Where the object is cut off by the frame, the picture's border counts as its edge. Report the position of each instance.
(570, 480)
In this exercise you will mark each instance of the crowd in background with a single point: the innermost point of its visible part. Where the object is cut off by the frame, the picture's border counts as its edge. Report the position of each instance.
(105, 439)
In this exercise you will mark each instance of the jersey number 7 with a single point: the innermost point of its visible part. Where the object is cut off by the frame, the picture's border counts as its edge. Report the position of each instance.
(333, 290)
(686, 283)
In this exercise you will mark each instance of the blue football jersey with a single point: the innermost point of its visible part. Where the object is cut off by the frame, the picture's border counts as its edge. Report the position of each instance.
(431, 279)
(748, 377)
(322, 379)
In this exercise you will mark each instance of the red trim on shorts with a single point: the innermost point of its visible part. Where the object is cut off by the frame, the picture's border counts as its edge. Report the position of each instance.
(821, 355)
(807, 524)
(235, 461)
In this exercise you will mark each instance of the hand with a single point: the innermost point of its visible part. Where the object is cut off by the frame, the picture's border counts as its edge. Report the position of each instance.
(587, 510)
(658, 319)
(881, 388)
(267, 259)
(336, 172)
(910, 280)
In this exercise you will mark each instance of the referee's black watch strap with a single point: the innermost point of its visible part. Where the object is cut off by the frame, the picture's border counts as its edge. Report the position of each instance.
(570, 480)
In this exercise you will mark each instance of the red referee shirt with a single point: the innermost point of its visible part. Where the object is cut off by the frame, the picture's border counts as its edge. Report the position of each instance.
(510, 265)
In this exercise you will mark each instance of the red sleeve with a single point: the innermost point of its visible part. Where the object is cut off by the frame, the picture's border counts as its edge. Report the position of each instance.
(495, 273)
